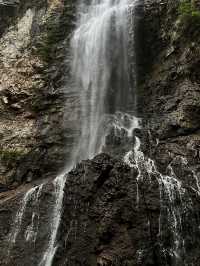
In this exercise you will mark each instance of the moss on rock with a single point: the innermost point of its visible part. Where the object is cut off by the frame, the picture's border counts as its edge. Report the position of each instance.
(189, 15)
(11, 156)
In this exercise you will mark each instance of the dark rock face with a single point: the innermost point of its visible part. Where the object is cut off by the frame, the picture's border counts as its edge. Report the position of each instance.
(38, 111)
(110, 217)
(102, 223)
(112, 214)
(25, 224)
(170, 89)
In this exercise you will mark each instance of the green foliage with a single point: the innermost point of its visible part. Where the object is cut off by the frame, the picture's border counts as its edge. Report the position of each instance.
(11, 155)
(189, 14)
(185, 8)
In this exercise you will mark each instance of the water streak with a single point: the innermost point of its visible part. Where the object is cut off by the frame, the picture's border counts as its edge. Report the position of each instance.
(31, 232)
(100, 68)
(19, 216)
(172, 193)
(100, 71)
(59, 184)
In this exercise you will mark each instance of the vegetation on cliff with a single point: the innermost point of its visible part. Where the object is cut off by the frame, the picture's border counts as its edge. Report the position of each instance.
(189, 14)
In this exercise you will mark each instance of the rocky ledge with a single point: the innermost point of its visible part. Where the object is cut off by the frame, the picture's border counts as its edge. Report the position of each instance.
(113, 214)
(109, 217)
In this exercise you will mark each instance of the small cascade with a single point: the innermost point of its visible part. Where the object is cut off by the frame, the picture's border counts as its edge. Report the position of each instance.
(32, 195)
(175, 202)
(32, 230)
(19, 215)
(119, 129)
(59, 184)
(197, 182)
(124, 122)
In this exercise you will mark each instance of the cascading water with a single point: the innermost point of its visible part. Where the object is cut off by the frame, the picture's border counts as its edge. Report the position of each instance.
(100, 68)
(175, 203)
(48, 256)
(32, 195)
(100, 72)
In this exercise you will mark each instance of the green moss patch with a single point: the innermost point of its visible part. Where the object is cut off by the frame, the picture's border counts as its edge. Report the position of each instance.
(189, 15)
(11, 155)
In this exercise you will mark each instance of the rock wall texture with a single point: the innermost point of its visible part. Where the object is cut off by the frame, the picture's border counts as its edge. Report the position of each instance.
(113, 214)
(34, 59)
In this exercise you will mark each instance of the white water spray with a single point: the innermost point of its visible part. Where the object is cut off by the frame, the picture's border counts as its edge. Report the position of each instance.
(59, 184)
(32, 230)
(100, 68)
(101, 74)
(29, 196)
(171, 191)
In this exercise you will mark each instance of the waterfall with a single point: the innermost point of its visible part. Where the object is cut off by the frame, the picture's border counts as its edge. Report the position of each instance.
(100, 68)
(100, 73)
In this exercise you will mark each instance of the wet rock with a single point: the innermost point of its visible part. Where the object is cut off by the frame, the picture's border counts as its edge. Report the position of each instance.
(101, 221)
(110, 216)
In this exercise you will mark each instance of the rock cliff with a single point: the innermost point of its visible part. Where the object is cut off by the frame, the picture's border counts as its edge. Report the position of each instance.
(34, 69)
(113, 213)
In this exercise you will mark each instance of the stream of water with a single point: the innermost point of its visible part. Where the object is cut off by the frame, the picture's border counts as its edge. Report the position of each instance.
(175, 202)
(100, 68)
(100, 72)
